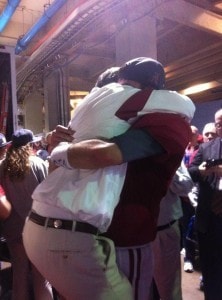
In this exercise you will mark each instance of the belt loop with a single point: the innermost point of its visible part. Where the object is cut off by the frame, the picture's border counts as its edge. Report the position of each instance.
(73, 226)
(46, 222)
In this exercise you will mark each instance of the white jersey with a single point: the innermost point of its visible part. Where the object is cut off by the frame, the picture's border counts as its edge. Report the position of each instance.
(92, 195)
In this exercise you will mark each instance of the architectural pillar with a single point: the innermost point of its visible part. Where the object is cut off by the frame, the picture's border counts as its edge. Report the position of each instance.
(56, 94)
(138, 38)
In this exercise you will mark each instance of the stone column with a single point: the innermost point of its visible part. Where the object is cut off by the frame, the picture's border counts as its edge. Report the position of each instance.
(56, 94)
(138, 38)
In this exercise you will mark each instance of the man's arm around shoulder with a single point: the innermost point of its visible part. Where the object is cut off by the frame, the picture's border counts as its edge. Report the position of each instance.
(97, 153)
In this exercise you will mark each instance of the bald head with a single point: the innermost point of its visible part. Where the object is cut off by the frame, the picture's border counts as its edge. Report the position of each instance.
(209, 132)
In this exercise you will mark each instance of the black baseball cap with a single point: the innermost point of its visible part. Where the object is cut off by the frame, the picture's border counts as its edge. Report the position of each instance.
(23, 136)
(147, 71)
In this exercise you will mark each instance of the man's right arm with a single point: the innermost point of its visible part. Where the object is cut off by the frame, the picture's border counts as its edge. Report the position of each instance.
(95, 153)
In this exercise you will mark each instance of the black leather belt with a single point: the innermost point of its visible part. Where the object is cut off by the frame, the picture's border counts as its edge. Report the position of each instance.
(162, 227)
(63, 224)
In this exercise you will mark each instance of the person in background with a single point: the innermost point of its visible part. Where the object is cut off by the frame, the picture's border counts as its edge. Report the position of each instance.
(40, 147)
(167, 244)
(3, 146)
(209, 132)
(5, 205)
(192, 146)
(96, 153)
(207, 172)
(5, 210)
(189, 204)
(20, 173)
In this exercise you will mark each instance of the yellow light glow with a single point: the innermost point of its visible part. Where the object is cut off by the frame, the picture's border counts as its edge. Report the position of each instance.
(218, 5)
(200, 88)
(78, 93)
(74, 103)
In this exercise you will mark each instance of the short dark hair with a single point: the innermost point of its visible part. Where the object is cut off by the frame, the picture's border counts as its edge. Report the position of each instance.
(109, 76)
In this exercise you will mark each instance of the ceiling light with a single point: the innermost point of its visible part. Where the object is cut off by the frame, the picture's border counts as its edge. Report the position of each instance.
(200, 88)
(218, 5)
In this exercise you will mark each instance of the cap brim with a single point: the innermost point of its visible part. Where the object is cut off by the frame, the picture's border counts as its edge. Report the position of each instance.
(5, 144)
(36, 139)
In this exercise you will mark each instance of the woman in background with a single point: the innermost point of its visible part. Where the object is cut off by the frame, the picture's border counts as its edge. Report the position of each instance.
(20, 172)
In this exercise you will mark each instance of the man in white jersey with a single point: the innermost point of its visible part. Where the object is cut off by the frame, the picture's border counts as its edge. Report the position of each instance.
(85, 197)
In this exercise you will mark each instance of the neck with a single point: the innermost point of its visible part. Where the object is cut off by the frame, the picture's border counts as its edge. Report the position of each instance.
(132, 83)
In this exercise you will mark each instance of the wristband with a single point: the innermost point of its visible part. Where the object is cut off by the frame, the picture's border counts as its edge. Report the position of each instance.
(59, 156)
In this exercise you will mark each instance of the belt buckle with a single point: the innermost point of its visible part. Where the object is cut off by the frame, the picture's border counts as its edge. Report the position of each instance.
(57, 224)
